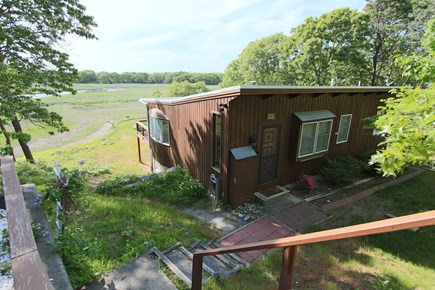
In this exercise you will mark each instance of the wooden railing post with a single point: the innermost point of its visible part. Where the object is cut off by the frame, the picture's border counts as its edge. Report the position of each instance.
(197, 272)
(287, 268)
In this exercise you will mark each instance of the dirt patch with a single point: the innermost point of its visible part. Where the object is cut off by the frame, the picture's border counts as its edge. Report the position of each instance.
(99, 133)
(46, 142)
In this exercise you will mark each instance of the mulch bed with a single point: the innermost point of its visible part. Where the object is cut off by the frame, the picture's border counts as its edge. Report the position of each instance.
(340, 192)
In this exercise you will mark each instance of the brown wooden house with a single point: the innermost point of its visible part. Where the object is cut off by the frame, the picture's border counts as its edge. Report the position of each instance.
(243, 139)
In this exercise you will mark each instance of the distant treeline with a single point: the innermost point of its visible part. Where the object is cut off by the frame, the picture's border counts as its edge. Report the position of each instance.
(89, 76)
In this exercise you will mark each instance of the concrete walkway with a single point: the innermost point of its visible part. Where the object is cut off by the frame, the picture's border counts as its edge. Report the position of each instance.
(223, 221)
(142, 273)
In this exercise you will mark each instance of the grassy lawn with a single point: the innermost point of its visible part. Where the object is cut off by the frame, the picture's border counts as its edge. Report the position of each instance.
(400, 260)
(110, 224)
(107, 231)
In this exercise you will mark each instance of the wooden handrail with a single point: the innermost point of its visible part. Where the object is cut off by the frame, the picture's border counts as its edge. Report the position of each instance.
(139, 123)
(289, 244)
(27, 268)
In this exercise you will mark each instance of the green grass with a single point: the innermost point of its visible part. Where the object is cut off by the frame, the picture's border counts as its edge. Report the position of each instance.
(117, 150)
(118, 227)
(86, 112)
(399, 260)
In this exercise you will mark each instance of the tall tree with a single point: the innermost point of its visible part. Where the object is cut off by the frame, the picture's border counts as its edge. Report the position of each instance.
(407, 122)
(31, 33)
(397, 27)
(332, 46)
(87, 76)
(261, 61)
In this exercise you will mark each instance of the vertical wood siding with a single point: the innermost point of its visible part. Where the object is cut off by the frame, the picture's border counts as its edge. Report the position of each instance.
(191, 143)
(192, 135)
(249, 112)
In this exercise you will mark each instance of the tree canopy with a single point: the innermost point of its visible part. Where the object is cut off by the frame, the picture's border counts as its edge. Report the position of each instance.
(346, 46)
(31, 34)
(408, 120)
(181, 89)
(89, 76)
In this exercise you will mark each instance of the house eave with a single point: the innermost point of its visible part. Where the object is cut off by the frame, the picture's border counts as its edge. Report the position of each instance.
(265, 90)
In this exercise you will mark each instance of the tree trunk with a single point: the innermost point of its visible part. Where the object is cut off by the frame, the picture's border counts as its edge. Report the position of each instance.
(8, 138)
(26, 149)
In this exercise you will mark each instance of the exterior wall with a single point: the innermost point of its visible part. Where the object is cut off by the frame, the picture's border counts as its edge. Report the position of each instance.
(248, 112)
(191, 139)
(191, 135)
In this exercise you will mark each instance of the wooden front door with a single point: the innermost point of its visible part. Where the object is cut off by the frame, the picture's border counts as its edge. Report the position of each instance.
(269, 153)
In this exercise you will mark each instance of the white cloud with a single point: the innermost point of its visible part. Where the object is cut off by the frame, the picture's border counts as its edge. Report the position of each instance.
(190, 35)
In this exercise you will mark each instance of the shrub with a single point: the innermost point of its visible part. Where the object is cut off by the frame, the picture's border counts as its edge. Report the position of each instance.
(177, 187)
(117, 185)
(40, 174)
(342, 170)
(371, 169)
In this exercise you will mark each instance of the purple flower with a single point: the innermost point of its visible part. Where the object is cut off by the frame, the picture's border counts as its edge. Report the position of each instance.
(38, 200)
(81, 162)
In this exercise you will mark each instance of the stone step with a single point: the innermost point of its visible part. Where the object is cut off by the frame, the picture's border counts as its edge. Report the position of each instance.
(180, 261)
(231, 260)
(222, 265)
(143, 273)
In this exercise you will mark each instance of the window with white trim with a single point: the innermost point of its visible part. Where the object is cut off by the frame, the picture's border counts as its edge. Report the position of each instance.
(314, 137)
(343, 128)
(159, 130)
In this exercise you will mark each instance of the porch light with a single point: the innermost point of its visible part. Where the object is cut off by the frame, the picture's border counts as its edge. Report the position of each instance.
(222, 107)
(253, 141)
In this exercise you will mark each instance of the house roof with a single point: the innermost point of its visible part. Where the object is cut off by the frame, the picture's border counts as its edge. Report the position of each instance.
(264, 90)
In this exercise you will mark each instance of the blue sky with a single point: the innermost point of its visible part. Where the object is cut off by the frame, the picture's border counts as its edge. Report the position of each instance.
(188, 35)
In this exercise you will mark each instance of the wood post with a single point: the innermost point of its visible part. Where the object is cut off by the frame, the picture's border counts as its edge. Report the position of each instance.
(138, 149)
(287, 268)
(197, 272)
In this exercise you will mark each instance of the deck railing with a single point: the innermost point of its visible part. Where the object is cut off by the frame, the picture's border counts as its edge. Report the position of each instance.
(141, 134)
(27, 268)
(290, 244)
(142, 130)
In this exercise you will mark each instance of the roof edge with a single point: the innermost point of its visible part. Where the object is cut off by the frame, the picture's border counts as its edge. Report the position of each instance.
(260, 90)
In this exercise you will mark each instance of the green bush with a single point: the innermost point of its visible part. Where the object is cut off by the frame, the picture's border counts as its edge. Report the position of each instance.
(114, 186)
(341, 171)
(177, 187)
(40, 174)
(371, 169)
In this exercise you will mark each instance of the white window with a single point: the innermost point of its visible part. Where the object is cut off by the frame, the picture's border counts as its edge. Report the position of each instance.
(343, 128)
(159, 130)
(314, 137)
